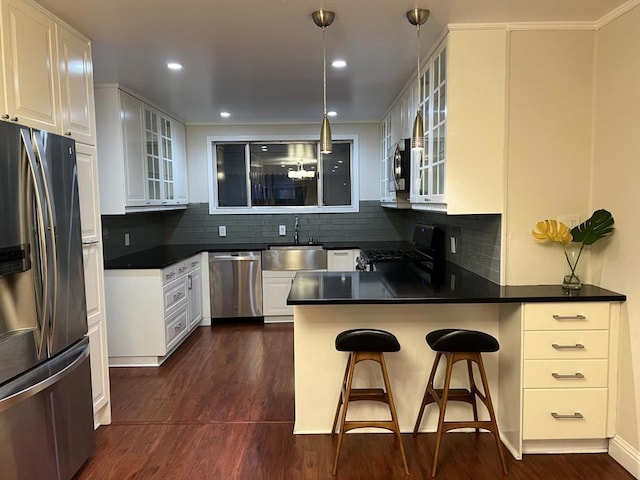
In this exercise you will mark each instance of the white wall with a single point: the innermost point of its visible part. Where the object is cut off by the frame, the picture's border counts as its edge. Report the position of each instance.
(549, 146)
(197, 153)
(616, 180)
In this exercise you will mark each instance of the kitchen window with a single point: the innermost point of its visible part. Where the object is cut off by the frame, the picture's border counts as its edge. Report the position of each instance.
(275, 176)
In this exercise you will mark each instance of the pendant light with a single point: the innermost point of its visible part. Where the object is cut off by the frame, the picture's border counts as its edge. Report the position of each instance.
(417, 17)
(324, 18)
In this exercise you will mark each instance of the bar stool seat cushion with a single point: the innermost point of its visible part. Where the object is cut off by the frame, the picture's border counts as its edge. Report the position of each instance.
(460, 340)
(366, 340)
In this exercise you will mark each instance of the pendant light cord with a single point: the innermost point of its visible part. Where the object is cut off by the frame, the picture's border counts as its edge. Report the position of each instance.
(418, 62)
(324, 76)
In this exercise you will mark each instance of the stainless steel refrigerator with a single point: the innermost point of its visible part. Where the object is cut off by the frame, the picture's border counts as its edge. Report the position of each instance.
(46, 417)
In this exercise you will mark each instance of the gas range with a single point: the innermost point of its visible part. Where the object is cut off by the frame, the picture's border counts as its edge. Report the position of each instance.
(428, 253)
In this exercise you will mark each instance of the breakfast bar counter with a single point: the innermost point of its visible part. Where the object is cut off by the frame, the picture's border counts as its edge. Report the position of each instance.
(527, 320)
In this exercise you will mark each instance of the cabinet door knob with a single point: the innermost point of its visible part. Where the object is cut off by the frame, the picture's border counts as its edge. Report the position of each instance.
(5, 117)
(68, 133)
(14, 119)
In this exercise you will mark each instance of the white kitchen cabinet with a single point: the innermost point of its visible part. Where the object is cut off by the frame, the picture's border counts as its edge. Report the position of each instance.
(99, 380)
(428, 166)
(559, 384)
(151, 311)
(342, 260)
(275, 290)
(94, 280)
(76, 86)
(463, 101)
(142, 154)
(30, 66)
(194, 291)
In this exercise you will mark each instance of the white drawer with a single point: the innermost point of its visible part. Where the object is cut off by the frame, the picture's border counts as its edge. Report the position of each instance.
(582, 413)
(566, 316)
(174, 293)
(566, 345)
(177, 325)
(181, 268)
(565, 373)
(192, 263)
(170, 273)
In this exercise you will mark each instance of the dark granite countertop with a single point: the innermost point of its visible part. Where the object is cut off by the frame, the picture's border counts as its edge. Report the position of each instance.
(165, 255)
(403, 284)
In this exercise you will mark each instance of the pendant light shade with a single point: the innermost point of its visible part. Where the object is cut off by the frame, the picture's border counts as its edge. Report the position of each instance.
(417, 17)
(417, 134)
(325, 136)
(324, 18)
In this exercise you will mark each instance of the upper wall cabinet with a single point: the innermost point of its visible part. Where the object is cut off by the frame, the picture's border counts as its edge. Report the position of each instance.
(142, 158)
(29, 59)
(462, 97)
(48, 72)
(76, 86)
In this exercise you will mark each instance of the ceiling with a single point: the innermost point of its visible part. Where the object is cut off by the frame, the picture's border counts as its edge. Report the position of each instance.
(261, 60)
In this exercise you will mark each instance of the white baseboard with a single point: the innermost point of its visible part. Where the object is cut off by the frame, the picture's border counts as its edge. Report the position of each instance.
(278, 319)
(625, 455)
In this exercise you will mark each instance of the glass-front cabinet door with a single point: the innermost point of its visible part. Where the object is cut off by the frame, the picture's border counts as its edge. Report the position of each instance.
(428, 186)
(167, 160)
(159, 150)
(152, 151)
(387, 192)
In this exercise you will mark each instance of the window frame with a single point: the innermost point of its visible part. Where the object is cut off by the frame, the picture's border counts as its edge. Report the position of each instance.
(215, 209)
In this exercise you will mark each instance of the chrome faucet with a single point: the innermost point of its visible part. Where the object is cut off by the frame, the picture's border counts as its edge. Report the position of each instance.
(296, 240)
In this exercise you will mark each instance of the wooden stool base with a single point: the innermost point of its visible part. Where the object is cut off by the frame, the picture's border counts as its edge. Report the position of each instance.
(446, 394)
(348, 394)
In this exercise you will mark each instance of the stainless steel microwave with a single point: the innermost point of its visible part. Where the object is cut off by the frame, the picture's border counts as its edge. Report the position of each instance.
(401, 166)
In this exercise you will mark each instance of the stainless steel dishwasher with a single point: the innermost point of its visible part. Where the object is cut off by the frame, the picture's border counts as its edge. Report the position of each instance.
(235, 284)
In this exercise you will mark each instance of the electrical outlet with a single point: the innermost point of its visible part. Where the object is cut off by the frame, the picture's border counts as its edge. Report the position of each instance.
(282, 230)
(126, 239)
(222, 231)
(453, 245)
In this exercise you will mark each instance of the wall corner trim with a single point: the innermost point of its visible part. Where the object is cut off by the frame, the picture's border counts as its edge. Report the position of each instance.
(616, 12)
(625, 455)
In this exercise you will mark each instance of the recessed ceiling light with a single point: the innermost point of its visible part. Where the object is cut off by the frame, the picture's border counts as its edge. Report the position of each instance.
(174, 66)
(338, 64)
(225, 114)
(332, 113)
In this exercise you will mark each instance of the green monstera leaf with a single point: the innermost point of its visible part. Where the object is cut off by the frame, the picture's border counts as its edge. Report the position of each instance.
(600, 225)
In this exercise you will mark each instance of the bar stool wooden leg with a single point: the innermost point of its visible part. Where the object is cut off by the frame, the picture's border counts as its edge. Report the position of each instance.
(350, 371)
(473, 389)
(442, 403)
(394, 416)
(492, 415)
(342, 395)
(427, 398)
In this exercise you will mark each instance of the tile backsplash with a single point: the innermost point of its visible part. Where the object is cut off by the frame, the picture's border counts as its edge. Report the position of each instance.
(477, 236)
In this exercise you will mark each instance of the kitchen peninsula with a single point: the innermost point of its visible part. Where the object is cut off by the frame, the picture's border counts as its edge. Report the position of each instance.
(545, 338)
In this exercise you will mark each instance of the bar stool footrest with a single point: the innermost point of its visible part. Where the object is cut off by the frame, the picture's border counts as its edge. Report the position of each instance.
(386, 424)
(370, 394)
(456, 395)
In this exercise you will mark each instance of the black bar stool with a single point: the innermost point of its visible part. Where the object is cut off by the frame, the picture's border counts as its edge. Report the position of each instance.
(456, 345)
(366, 344)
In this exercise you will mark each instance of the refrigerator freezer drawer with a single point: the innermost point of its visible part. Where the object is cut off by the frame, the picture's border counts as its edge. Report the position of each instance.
(48, 415)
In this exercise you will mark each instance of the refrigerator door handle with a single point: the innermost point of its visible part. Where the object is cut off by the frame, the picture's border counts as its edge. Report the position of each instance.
(39, 151)
(42, 251)
(32, 390)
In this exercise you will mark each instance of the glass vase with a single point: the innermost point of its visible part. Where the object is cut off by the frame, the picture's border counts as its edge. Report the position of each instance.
(571, 281)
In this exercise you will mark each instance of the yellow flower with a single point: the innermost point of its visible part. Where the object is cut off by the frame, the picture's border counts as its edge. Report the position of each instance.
(552, 230)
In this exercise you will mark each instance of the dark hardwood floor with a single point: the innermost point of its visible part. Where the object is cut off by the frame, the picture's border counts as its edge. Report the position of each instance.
(222, 407)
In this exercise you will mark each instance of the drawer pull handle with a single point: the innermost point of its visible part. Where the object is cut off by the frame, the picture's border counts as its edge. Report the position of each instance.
(170, 275)
(179, 327)
(567, 375)
(177, 295)
(559, 416)
(569, 317)
(577, 346)
(193, 264)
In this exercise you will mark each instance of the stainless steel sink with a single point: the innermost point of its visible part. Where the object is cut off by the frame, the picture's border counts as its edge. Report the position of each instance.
(294, 257)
